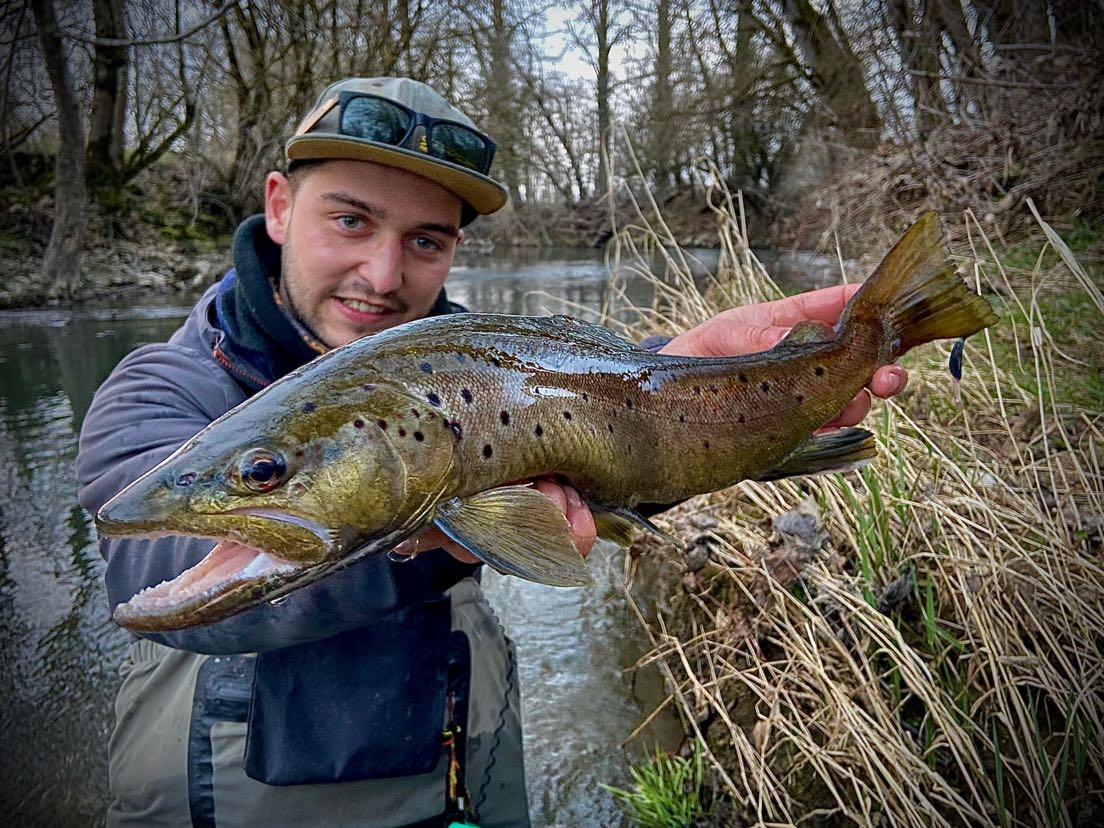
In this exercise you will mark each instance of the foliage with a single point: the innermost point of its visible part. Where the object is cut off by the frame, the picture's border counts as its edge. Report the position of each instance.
(666, 791)
(939, 663)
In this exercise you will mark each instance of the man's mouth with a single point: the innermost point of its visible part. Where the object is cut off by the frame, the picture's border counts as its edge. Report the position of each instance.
(363, 306)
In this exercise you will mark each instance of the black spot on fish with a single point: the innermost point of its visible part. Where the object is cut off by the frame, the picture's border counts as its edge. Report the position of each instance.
(504, 416)
(419, 436)
(308, 407)
(186, 479)
(368, 386)
(299, 453)
(713, 388)
(358, 423)
(682, 418)
(402, 432)
(415, 412)
(765, 386)
(488, 451)
(697, 390)
(743, 378)
(456, 429)
(461, 358)
(538, 430)
(496, 362)
(628, 403)
(820, 370)
(433, 398)
(426, 368)
(800, 398)
(740, 418)
(705, 444)
(466, 395)
(567, 415)
(586, 396)
(609, 426)
(382, 424)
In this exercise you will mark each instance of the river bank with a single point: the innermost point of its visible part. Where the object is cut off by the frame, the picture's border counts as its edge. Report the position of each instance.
(917, 643)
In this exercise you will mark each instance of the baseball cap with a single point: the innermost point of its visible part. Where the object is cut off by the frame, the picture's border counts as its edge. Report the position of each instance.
(418, 135)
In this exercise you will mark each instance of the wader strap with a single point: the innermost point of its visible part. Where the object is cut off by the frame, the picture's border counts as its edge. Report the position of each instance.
(222, 693)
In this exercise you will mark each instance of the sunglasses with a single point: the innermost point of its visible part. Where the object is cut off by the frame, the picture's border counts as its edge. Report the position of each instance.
(383, 121)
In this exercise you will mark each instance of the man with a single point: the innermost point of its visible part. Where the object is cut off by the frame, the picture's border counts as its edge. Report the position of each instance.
(330, 707)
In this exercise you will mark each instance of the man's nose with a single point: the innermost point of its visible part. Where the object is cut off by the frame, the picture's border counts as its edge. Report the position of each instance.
(382, 264)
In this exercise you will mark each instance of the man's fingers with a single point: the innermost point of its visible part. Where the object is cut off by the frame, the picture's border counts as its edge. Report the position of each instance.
(888, 381)
(852, 413)
(578, 515)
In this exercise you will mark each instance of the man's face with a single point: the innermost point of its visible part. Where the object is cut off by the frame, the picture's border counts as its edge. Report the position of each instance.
(365, 247)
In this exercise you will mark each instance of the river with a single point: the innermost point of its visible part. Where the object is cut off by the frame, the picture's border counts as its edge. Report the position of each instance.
(59, 649)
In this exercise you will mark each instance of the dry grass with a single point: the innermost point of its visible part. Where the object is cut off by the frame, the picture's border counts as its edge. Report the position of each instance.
(936, 657)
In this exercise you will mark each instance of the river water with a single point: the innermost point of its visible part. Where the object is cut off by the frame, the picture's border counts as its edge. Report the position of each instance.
(59, 649)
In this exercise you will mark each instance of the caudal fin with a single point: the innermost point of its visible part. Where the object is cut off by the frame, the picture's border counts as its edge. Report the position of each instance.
(917, 294)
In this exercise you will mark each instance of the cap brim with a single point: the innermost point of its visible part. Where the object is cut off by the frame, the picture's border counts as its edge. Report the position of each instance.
(484, 194)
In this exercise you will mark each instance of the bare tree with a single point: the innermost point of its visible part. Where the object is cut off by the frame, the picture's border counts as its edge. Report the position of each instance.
(63, 252)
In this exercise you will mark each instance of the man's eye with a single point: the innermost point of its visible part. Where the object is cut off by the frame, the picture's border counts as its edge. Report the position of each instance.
(349, 222)
(427, 244)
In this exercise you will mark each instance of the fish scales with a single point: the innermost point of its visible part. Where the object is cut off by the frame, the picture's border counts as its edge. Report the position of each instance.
(625, 426)
(431, 423)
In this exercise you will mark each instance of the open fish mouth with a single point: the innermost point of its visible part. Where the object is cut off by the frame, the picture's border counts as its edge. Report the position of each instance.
(229, 576)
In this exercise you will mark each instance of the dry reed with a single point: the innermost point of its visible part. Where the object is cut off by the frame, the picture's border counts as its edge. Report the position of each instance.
(938, 660)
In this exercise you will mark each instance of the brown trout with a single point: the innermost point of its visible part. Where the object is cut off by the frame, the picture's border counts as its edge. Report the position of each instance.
(426, 424)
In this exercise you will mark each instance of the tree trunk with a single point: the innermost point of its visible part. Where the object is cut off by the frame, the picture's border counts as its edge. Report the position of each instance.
(602, 95)
(107, 126)
(662, 128)
(62, 260)
(836, 73)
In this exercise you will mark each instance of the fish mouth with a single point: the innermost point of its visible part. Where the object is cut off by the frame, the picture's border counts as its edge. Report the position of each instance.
(230, 577)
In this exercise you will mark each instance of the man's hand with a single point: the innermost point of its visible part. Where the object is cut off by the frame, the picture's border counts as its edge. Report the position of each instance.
(578, 517)
(753, 328)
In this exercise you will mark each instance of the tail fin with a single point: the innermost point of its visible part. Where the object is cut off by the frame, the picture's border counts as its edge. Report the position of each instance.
(917, 294)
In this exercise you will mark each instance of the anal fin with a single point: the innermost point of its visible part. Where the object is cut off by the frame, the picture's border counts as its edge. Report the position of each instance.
(841, 450)
(619, 524)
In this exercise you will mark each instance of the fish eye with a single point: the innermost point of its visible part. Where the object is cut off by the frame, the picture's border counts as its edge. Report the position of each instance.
(262, 470)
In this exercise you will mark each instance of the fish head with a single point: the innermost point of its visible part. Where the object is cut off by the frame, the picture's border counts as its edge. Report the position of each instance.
(293, 488)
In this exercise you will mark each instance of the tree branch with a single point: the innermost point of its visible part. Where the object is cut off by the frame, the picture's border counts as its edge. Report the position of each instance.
(151, 41)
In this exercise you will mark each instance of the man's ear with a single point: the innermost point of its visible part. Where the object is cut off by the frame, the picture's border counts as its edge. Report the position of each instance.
(460, 236)
(278, 198)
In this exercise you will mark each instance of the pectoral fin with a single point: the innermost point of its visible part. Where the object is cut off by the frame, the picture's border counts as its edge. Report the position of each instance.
(516, 530)
(841, 450)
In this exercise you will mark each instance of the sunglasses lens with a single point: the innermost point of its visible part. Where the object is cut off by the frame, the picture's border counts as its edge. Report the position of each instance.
(375, 120)
(459, 145)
